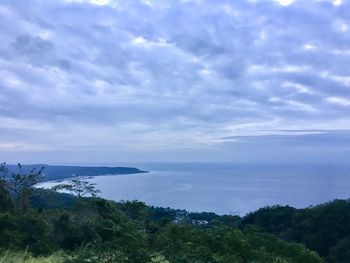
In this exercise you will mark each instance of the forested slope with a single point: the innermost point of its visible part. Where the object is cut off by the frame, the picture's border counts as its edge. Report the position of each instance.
(98, 230)
(324, 228)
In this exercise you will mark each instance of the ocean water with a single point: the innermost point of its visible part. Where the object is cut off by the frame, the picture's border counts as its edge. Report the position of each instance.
(228, 188)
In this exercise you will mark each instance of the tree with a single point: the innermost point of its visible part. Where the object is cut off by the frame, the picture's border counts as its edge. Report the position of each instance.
(78, 188)
(19, 184)
(6, 203)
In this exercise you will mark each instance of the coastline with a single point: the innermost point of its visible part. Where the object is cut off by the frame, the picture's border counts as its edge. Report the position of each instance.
(64, 172)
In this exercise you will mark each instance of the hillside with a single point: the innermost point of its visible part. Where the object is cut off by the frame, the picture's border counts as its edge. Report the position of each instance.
(98, 230)
(324, 228)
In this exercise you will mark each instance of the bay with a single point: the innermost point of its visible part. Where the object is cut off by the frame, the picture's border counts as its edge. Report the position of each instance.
(227, 188)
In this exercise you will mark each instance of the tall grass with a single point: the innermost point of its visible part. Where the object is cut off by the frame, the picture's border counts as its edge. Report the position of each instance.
(24, 257)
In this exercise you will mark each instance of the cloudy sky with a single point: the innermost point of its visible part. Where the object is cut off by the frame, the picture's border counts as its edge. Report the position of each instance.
(107, 81)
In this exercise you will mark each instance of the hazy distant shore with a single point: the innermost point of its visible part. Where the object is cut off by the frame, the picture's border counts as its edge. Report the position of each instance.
(60, 172)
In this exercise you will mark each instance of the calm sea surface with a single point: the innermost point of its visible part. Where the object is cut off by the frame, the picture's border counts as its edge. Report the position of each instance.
(228, 188)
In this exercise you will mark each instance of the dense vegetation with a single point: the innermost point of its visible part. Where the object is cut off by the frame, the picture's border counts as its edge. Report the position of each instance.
(39, 225)
(105, 231)
(324, 228)
(25, 257)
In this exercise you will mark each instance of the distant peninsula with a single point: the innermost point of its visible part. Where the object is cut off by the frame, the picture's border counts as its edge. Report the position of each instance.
(58, 172)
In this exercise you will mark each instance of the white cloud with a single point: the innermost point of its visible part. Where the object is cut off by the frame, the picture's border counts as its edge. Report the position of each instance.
(293, 105)
(337, 2)
(309, 47)
(94, 2)
(344, 80)
(301, 106)
(341, 26)
(285, 2)
(298, 87)
(141, 41)
(267, 69)
(338, 101)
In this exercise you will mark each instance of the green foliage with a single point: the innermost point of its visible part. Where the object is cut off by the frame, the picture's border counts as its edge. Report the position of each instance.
(47, 199)
(78, 188)
(96, 230)
(185, 243)
(24, 257)
(6, 203)
(92, 255)
(18, 185)
(324, 228)
(158, 258)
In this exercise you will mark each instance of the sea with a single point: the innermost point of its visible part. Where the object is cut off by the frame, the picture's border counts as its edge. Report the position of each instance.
(227, 188)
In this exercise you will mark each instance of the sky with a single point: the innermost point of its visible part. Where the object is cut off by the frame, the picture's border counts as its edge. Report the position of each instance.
(109, 81)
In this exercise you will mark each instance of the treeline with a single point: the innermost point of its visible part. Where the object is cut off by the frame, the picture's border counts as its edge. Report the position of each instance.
(324, 228)
(97, 230)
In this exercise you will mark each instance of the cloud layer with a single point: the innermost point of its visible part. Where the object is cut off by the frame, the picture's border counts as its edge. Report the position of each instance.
(111, 80)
